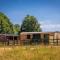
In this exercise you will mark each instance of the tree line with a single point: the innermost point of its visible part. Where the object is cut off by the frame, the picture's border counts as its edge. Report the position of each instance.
(29, 24)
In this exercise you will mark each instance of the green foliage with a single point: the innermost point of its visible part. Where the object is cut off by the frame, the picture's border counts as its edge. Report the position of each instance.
(5, 25)
(16, 28)
(30, 24)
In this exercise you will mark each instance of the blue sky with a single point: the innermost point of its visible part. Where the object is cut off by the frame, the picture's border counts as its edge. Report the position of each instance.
(47, 12)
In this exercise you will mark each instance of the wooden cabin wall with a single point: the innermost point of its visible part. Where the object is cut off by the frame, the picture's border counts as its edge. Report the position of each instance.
(22, 38)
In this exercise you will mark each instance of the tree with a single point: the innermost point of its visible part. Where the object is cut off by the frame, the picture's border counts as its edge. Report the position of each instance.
(30, 24)
(16, 28)
(5, 25)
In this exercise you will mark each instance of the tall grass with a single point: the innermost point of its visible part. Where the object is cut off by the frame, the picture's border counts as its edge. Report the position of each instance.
(30, 53)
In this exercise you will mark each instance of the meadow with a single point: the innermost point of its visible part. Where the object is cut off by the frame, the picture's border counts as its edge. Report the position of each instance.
(36, 52)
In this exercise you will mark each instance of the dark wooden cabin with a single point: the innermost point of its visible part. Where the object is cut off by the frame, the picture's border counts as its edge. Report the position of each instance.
(9, 38)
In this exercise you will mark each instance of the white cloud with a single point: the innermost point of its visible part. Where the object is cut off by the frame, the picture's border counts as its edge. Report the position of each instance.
(49, 26)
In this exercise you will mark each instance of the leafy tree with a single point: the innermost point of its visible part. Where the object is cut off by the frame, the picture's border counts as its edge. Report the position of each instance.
(16, 28)
(5, 25)
(30, 24)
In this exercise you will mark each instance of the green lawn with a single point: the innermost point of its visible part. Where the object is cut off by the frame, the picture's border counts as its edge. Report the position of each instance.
(30, 53)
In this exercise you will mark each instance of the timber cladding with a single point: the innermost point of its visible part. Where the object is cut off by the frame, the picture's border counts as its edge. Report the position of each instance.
(52, 38)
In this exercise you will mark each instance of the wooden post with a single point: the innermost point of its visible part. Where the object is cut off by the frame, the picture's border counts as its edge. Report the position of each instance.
(7, 41)
(42, 41)
(13, 40)
(57, 38)
(17, 40)
(53, 39)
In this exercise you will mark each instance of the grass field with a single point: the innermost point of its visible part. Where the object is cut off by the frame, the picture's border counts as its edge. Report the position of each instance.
(30, 53)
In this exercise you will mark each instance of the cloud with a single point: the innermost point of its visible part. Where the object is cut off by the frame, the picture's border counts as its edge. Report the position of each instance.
(49, 26)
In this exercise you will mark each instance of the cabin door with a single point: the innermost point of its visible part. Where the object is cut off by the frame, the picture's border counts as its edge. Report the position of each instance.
(46, 38)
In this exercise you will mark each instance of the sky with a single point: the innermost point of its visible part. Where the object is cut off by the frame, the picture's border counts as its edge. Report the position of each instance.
(47, 12)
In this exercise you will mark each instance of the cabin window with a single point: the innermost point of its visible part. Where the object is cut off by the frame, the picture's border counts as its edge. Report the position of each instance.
(15, 38)
(28, 36)
(36, 38)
